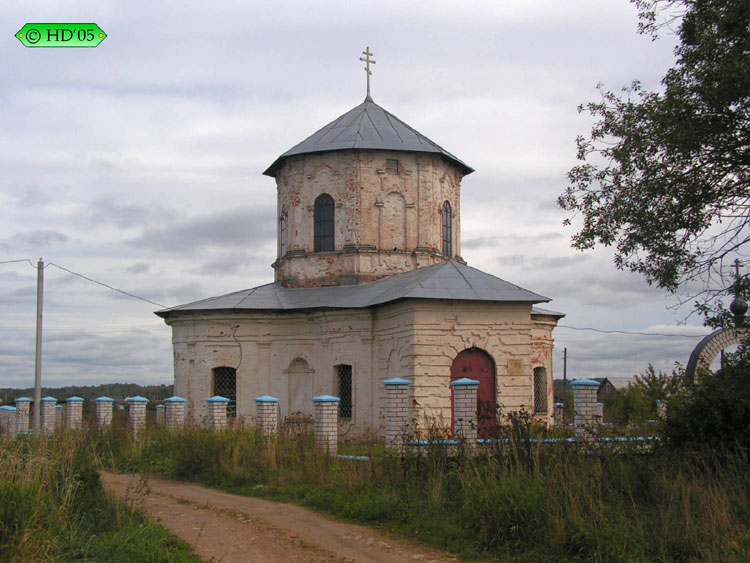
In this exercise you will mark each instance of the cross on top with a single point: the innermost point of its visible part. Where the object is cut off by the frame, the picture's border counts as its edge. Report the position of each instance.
(367, 60)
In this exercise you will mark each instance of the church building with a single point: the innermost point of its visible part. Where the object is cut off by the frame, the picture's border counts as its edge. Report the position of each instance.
(369, 285)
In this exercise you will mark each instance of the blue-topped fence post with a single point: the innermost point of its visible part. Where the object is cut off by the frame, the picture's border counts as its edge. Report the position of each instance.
(398, 412)
(558, 417)
(174, 412)
(217, 412)
(48, 415)
(326, 414)
(8, 424)
(74, 413)
(599, 413)
(586, 410)
(160, 414)
(137, 414)
(267, 414)
(465, 409)
(59, 416)
(22, 415)
(104, 411)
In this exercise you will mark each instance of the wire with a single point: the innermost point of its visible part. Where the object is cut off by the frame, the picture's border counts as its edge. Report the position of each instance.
(21, 260)
(633, 332)
(110, 287)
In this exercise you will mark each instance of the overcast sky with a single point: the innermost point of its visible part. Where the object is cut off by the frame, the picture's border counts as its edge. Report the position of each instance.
(139, 163)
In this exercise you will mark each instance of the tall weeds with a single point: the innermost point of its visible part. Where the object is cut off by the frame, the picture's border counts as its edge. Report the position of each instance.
(53, 507)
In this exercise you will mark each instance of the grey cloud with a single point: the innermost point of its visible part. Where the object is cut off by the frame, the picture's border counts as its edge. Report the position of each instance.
(37, 238)
(239, 227)
(509, 240)
(139, 268)
(512, 260)
(126, 215)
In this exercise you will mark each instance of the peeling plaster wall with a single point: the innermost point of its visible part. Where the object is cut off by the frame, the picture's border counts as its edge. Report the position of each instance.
(386, 222)
(413, 339)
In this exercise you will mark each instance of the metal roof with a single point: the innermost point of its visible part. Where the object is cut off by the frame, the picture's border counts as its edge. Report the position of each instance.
(546, 312)
(367, 126)
(447, 280)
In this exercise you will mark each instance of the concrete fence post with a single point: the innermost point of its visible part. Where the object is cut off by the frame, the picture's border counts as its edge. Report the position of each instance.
(174, 412)
(326, 412)
(465, 409)
(599, 413)
(137, 414)
(398, 411)
(23, 405)
(59, 416)
(104, 411)
(267, 414)
(160, 414)
(217, 412)
(48, 415)
(559, 414)
(586, 410)
(74, 413)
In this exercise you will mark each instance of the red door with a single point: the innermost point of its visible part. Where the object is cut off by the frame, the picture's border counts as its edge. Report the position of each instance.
(477, 364)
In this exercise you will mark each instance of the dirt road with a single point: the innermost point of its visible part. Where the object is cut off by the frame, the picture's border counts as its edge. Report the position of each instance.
(231, 528)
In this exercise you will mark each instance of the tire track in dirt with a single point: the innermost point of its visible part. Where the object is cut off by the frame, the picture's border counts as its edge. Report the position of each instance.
(232, 528)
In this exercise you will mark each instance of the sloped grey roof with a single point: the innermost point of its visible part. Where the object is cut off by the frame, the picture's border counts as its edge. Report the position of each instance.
(447, 280)
(547, 312)
(367, 126)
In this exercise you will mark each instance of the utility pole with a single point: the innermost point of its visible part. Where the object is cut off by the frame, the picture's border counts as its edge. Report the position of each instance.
(565, 370)
(38, 361)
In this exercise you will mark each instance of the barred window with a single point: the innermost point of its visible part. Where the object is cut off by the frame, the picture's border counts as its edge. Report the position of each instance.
(540, 390)
(344, 373)
(225, 385)
(391, 165)
(324, 223)
(447, 230)
(282, 231)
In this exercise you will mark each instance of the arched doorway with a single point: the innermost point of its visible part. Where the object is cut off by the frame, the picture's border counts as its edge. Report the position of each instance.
(478, 364)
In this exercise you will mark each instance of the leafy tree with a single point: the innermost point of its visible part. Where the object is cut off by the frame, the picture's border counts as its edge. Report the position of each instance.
(638, 402)
(664, 176)
(713, 412)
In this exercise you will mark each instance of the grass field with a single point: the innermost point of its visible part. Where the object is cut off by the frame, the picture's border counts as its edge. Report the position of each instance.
(512, 500)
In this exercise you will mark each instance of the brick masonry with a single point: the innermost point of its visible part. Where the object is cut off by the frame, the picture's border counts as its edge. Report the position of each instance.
(398, 412)
(22, 414)
(137, 414)
(465, 409)
(325, 417)
(174, 415)
(267, 414)
(74, 413)
(587, 410)
(217, 413)
(48, 415)
(104, 407)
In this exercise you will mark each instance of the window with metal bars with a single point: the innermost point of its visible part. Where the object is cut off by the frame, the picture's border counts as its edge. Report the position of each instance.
(540, 390)
(344, 373)
(447, 230)
(324, 223)
(391, 165)
(225, 385)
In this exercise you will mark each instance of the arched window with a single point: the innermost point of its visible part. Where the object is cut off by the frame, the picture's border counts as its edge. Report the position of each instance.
(282, 231)
(540, 390)
(447, 230)
(225, 385)
(324, 223)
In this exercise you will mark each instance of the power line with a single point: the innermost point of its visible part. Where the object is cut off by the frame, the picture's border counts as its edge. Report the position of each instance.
(109, 286)
(21, 260)
(633, 332)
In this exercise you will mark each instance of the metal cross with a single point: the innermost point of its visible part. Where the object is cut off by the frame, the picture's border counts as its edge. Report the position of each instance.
(737, 265)
(367, 60)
